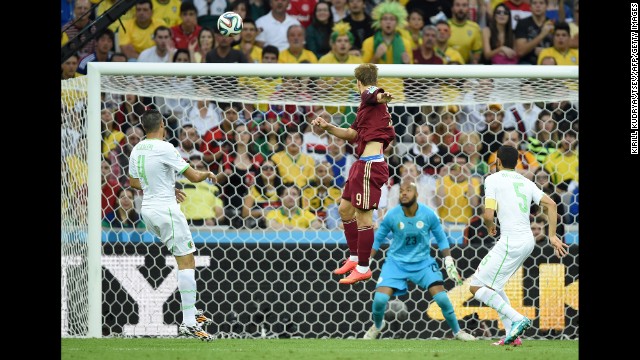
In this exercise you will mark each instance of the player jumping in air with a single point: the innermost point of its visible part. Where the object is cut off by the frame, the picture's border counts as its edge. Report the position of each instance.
(409, 259)
(510, 194)
(372, 131)
(153, 165)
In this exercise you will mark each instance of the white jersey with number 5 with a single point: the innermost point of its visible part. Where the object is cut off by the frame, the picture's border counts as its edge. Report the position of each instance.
(155, 162)
(513, 194)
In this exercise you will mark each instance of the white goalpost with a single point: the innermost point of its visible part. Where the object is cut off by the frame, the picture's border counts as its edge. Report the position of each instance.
(421, 89)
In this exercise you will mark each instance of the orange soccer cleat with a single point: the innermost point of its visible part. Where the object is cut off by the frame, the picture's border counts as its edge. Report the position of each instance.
(347, 266)
(355, 276)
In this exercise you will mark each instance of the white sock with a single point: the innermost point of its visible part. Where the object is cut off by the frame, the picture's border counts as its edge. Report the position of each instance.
(353, 258)
(505, 321)
(362, 269)
(493, 300)
(187, 288)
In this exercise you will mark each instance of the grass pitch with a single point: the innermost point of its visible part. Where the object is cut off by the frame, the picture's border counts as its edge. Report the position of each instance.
(311, 349)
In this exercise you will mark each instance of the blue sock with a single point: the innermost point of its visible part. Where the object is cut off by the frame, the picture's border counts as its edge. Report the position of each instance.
(443, 301)
(379, 306)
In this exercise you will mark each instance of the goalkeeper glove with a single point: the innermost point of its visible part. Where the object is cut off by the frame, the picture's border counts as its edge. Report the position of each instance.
(450, 266)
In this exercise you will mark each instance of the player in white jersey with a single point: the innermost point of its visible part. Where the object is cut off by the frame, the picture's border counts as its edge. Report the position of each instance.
(511, 195)
(153, 165)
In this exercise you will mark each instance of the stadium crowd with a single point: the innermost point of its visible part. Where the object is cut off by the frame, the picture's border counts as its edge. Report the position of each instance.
(276, 170)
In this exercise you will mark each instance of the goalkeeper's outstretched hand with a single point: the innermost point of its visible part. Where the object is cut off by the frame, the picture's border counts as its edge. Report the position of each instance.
(450, 266)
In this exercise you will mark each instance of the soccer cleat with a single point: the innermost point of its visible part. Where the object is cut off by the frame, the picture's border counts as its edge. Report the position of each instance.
(194, 331)
(355, 276)
(373, 332)
(347, 266)
(517, 328)
(516, 342)
(464, 336)
(201, 319)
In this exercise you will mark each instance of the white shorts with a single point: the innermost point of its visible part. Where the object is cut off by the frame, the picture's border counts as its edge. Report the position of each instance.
(502, 261)
(170, 225)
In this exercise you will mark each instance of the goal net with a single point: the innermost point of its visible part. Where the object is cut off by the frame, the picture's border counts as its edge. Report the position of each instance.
(250, 125)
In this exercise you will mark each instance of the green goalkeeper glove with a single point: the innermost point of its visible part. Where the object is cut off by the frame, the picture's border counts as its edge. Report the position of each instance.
(450, 266)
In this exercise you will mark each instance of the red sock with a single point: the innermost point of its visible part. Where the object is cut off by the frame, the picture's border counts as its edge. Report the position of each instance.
(351, 233)
(365, 243)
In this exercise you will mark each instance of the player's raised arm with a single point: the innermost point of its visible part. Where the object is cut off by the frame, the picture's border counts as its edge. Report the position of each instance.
(550, 207)
(384, 97)
(196, 176)
(347, 134)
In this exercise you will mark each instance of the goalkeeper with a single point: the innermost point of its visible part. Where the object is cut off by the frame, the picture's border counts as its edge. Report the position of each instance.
(408, 259)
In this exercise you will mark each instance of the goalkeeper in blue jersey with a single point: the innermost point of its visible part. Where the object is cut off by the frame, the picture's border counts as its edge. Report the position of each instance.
(408, 259)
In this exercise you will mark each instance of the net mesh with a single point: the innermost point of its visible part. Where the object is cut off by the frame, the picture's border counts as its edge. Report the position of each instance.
(255, 281)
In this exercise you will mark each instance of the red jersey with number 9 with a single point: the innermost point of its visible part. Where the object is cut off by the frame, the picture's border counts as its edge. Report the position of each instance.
(373, 121)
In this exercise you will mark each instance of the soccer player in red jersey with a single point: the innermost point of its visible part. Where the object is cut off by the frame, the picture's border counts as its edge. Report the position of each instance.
(371, 132)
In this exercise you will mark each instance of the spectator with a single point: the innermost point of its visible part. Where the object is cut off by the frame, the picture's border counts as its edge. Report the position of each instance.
(204, 115)
(162, 51)
(339, 159)
(202, 205)
(387, 46)
(548, 60)
(394, 159)
(574, 26)
(125, 215)
(520, 9)
(219, 140)
(466, 36)
(81, 13)
(339, 10)
(478, 94)
(240, 7)
(133, 137)
(498, 38)
(69, 68)
(414, 28)
(446, 130)
(533, 33)
(361, 25)
(292, 116)
(262, 196)
(258, 8)
(303, 11)
(425, 53)
(426, 154)
(458, 193)
(103, 53)
(290, 216)
(294, 166)
(209, 11)
(181, 56)
(315, 140)
(471, 146)
(476, 233)
(104, 5)
(248, 44)
(527, 163)
(542, 180)
(269, 134)
(206, 43)
(119, 57)
(321, 192)
(426, 185)
(563, 163)
(431, 9)
(140, 30)
(189, 142)
(477, 12)
(273, 26)
(318, 34)
(187, 30)
(112, 138)
(296, 53)
(223, 53)
(538, 229)
(168, 11)
(558, 11)
(492, 135)
(110, 187)
(447, 53)
(66, 11)
(561, 51)
(526, 114)
(546, 137)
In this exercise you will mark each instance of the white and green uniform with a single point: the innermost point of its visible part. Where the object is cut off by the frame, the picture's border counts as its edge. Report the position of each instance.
(513, 194)
(155, 163)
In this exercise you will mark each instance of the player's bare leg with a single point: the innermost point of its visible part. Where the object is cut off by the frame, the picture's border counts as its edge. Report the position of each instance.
(348, 215)
(365, 243)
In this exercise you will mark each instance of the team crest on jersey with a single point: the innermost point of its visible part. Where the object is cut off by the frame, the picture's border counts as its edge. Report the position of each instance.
(400, 225)
(372, 89)
(420, 224)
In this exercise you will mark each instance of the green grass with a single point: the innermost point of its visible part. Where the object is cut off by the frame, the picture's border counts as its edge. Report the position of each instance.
(311, 349)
